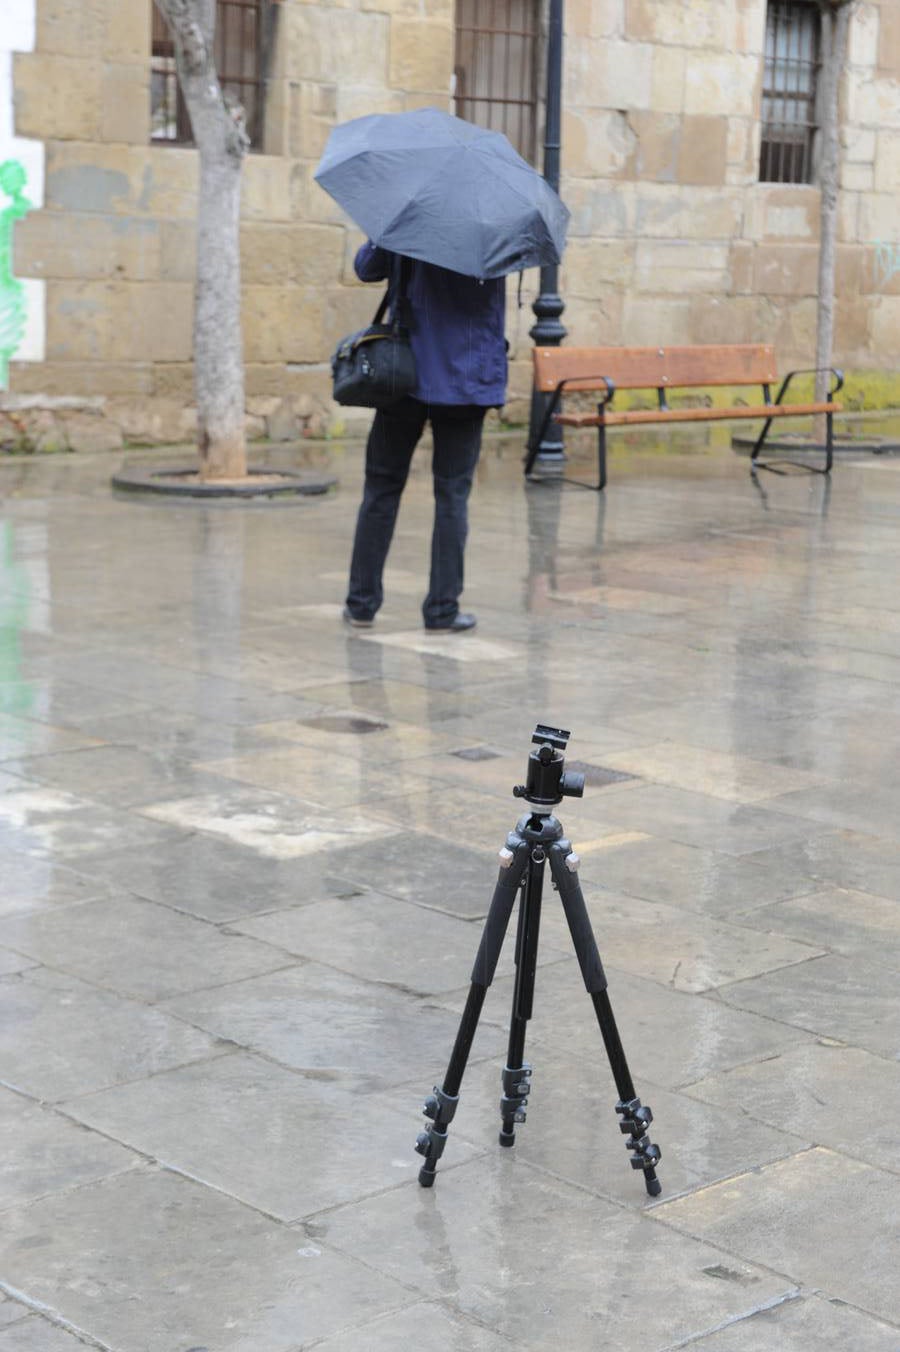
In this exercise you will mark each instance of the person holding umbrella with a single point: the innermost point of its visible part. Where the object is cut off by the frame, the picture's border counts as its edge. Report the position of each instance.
(450, 209)
(457, 333)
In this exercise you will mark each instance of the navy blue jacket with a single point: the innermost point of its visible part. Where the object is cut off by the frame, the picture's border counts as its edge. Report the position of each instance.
(456, 328)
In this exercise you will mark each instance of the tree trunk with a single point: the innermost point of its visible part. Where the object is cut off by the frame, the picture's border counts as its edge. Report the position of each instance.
(222, 144)
(835, 29)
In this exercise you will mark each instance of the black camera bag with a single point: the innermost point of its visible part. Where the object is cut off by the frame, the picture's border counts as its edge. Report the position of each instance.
(375, 367)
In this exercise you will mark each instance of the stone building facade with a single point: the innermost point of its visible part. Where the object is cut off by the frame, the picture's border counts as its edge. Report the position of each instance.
(673, 238)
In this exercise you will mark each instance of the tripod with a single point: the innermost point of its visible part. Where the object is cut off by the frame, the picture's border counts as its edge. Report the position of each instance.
(538, 836)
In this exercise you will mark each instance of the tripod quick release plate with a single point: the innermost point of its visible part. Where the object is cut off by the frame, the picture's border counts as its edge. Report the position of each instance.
(557, 737)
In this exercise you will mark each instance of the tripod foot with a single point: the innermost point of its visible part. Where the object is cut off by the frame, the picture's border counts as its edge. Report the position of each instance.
(634, 1119)
(440, 1107)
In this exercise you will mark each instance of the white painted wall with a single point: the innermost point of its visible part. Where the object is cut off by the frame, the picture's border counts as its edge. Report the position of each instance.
(17, 32)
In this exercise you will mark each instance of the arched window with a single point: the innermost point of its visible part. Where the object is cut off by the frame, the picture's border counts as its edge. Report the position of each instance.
(240, 46)
(496, 68)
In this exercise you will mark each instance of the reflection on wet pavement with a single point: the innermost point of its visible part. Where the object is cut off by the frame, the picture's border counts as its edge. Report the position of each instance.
(245, 857)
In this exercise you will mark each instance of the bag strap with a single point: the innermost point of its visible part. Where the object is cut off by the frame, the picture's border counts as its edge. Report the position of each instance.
(401, 303)
(382, 307)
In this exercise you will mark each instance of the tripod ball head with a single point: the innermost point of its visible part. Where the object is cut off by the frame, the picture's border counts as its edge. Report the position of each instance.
(548, 780)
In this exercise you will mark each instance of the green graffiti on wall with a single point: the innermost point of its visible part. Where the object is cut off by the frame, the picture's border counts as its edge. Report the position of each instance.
(12, 293)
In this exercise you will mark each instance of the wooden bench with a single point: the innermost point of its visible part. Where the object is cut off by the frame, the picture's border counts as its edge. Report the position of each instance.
(558, 370)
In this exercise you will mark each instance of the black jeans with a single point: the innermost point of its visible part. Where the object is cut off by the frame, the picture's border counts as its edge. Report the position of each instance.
(456, 429)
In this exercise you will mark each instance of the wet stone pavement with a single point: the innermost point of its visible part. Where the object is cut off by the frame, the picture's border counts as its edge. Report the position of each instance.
(245, 858)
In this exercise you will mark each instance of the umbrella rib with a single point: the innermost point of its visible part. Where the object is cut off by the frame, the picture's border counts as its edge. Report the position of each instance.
(409, 201)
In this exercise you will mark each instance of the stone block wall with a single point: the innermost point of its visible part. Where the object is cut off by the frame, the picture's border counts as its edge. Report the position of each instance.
(672, 237)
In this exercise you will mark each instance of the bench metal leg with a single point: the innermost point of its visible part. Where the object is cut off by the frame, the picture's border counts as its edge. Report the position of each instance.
(756, 463)
(829, 442)
(601, 457)
(754, 454)
(599, 486)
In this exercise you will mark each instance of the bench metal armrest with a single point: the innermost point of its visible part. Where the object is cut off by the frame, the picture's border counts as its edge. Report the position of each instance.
(812, 371)
(553, 405)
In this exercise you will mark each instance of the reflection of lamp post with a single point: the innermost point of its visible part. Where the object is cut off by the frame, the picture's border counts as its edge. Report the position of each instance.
(548, 331)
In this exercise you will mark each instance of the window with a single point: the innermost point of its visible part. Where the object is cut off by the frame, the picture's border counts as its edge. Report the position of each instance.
(239, 61)
(495, 68)
(789, 92)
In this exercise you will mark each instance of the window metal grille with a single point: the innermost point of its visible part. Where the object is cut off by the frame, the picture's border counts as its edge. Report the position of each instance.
(496, 67)
(789, 92)
(239, 63)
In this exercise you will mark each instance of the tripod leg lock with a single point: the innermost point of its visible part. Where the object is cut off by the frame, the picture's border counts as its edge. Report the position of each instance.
(516, 1088)
(441, 1107)
(635, 1119)
(431, 1142)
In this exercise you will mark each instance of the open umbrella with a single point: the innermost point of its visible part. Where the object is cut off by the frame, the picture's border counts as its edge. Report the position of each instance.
(434, 187)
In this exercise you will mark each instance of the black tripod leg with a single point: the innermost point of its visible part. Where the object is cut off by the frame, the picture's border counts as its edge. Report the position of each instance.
(440, 1106)
(517, 1072)
(634, 1118)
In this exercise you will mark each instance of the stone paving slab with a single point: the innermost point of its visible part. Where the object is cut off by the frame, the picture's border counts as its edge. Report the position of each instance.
(822, 1089)
(381, 939)
(21, 736)
(692, 818)
(35, 1334)
(285, 1143)
(773, 1212)
(43, 1152)
(740, 779)
(14, 962)
(854, 924)
(31, 883)
(243, 876)
(465, 1238)
(11, 1312)
(269, 823)
(840, 858)
(60, 1036)
(698, 879)
(428, 1327)
(839, 997)
(810, 1324)
(177, 1263)
(674, 948)
(218, 880)
(118, 775)
(138, 948)
(50, 824)
(437, 873)
(670, 1037)
(316, 1019)
(572, 1130)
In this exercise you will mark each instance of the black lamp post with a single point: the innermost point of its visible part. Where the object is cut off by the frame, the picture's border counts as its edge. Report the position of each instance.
(548, 330)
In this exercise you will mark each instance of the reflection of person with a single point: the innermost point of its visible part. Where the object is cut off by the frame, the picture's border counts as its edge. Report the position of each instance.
(456, 328)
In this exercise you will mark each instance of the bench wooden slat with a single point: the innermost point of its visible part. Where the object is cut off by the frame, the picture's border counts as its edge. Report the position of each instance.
(635, 368)
(656, 415)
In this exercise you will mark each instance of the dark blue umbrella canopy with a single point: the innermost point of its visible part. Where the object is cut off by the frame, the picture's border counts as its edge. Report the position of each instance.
(434, 187)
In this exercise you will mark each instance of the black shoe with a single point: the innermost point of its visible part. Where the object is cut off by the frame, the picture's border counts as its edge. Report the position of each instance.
(458, 625)
(355, 621)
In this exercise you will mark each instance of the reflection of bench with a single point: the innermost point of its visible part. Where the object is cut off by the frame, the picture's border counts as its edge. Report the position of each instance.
(561, 370)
